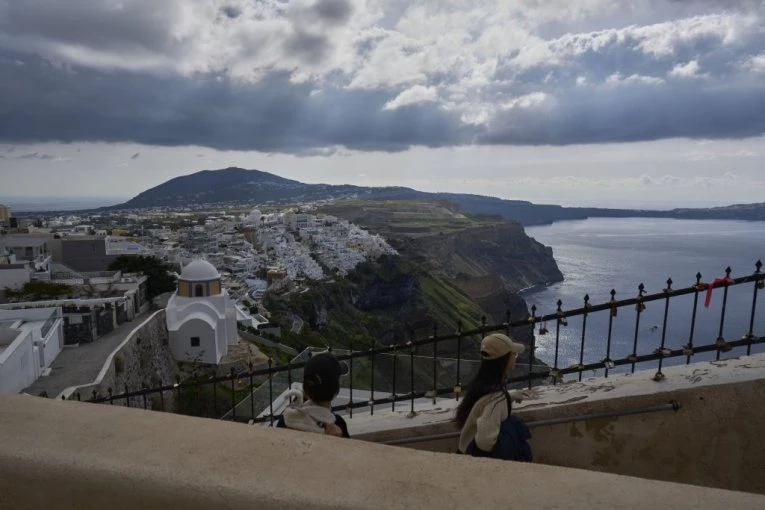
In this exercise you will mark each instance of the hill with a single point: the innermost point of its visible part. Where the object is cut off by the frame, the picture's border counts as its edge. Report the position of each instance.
(238, 187)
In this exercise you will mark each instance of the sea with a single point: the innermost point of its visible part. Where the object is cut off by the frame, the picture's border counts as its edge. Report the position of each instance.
(597, 255)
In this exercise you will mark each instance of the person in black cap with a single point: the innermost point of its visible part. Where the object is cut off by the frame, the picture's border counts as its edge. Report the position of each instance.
(321, 384)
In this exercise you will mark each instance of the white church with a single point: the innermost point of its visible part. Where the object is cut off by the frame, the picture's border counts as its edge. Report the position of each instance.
(201, 317)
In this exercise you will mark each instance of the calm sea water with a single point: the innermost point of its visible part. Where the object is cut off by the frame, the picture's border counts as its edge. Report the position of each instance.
(597, 255)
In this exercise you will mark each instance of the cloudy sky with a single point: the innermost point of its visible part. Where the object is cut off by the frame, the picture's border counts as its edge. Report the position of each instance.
(605, 102)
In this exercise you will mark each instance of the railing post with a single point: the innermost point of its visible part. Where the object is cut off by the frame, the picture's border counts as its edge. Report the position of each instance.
(607, 362)
(127, 397)
(252, 391)
(639, 307)
(350, 382)
(144, 389)
(411, 373)
(435, 363)
(584, 329)
(458, 385)
(661, 351)
(232, 375)
(555, 373)
(178, 390)
(688, 348)
(533, 320)
(395, 359)
(215, 395)
(722, 345)
(757, 285)
(270, 392)
(372, 382)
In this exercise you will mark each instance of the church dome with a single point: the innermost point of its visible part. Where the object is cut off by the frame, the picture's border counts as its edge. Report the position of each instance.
(199, 271)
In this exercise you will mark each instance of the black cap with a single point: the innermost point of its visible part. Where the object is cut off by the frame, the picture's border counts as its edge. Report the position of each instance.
(323, 368)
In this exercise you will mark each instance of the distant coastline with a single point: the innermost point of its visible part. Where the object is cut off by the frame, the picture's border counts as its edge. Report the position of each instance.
(56, 204)
(239, 187)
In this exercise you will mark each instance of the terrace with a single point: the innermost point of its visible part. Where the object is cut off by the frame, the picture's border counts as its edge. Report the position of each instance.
(630, 423)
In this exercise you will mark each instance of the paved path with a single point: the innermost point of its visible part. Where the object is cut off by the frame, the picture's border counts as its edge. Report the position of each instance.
(80, 365)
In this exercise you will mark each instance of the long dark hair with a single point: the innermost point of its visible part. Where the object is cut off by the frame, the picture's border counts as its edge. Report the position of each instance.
(490, 378)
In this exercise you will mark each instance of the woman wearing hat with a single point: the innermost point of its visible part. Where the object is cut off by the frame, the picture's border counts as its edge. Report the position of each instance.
(321, 384)
(488, 429)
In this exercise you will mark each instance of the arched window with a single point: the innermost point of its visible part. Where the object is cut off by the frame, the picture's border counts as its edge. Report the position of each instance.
(199, 290)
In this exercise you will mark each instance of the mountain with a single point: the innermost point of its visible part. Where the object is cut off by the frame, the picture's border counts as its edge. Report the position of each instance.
(230, 185)
(237, 186)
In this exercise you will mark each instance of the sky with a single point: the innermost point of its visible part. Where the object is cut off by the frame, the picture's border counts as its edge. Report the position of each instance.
(656, 103)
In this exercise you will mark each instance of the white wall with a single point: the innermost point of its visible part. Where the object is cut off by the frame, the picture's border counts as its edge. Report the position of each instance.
(14, 278)
(180, 342)
(19, 364)
(22, 362)
(232, 335)
(51, 345)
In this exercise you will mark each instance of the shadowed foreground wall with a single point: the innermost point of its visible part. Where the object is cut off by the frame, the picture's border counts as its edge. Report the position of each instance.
(72, 455)
(716, 439)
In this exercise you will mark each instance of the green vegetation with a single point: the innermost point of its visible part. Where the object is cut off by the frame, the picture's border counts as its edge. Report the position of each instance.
(386, 301)
(38, 290)
(408, 218)
(119, 364)
(159, 278)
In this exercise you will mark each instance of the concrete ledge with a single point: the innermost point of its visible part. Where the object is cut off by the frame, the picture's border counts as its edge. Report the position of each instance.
(715, 440)
(594, 389)
(71, 455)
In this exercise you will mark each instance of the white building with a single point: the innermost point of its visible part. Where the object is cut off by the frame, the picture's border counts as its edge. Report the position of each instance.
(201, 317)
(253, 219)
(29, 342)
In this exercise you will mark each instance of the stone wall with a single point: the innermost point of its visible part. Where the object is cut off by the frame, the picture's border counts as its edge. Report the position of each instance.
(143, 359)
(715, 439)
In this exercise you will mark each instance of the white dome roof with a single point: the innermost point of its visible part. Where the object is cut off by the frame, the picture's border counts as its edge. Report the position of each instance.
(199, 271)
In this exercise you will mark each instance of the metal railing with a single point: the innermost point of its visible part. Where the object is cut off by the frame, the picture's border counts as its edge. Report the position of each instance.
(56, 315)
(445, 377)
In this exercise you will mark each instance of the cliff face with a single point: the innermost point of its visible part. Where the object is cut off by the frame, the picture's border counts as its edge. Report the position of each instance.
(502, 252)
(382, 294)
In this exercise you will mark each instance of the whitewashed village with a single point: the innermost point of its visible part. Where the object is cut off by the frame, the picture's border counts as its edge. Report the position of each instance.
(225, 263)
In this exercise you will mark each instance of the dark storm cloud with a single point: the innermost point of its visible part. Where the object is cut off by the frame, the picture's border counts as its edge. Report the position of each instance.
(651, 113)
(138, 24)
(308, 47)
(65, 75)
(44, 103)
(333, 11)
(231, 11)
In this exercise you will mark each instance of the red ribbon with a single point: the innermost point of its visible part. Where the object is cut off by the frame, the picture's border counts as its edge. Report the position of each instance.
(716, 283)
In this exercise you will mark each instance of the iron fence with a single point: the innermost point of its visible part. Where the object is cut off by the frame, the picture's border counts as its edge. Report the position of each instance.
(446, 376)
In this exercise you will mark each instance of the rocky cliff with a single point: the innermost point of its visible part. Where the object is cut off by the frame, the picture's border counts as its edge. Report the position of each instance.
(500, 252)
